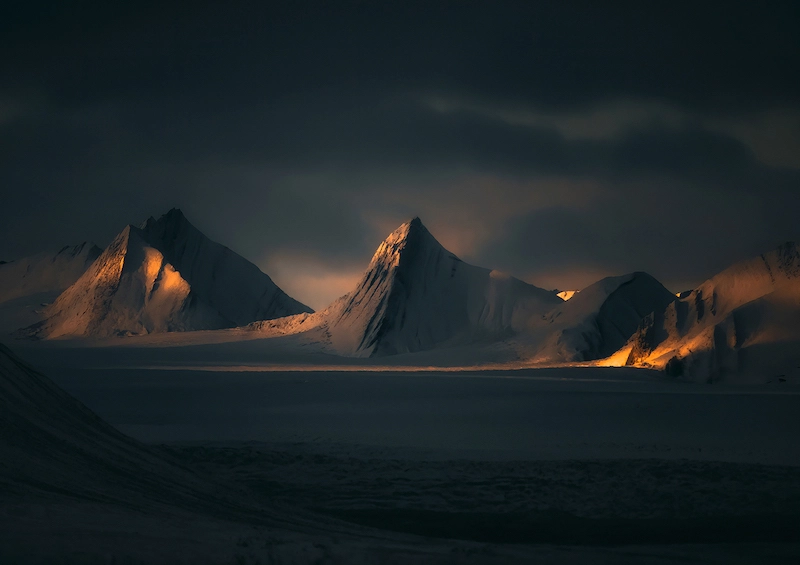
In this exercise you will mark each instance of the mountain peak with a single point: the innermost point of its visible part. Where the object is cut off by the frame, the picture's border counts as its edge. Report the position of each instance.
(174, 218)
(408, 229)
(165, 276)
(173, 215)
(406, 241)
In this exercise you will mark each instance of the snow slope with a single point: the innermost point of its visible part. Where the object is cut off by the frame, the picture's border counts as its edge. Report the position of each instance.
(746, 318)
(595, 322)
(51, 444)
(164, 276)
(46, 272)
(26, 284)
(416, 295)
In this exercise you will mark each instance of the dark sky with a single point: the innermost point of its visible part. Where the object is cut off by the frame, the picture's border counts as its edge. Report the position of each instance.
(560, 141)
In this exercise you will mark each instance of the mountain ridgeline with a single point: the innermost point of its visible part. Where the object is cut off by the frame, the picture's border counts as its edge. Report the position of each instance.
(161, 277)
(415, 296)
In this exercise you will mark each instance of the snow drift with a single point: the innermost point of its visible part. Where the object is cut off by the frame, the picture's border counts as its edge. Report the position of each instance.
(164, 276)
(746, 317)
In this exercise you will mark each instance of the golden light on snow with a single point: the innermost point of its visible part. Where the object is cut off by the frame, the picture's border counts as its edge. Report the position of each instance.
(171, 280)
(618, 359)
(151, 265)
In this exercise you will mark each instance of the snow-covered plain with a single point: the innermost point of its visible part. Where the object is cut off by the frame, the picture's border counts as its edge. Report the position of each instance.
(561, 465)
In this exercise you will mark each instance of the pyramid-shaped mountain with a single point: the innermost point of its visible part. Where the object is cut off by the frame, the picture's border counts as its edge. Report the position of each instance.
(164, 276)
(416, 295)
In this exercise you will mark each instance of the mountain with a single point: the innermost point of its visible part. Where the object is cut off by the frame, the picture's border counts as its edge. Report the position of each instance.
(746, 317)
(164, 276)
(25, 284)
(596, 321)
(416, 295)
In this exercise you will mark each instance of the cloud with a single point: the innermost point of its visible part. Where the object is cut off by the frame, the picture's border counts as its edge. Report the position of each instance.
(607, 120)
(773, 134)
(546, 141)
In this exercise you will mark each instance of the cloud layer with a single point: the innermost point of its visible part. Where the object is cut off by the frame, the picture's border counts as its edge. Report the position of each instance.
(558, 142)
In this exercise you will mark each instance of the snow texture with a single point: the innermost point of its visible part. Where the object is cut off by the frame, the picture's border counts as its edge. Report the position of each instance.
(164, 276)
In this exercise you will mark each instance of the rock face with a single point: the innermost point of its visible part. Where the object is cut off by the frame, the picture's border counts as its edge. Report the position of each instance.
(164, 276)
(416, 295)
(746, 310)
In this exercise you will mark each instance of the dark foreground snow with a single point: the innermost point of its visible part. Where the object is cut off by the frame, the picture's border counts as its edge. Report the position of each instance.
(578, 465)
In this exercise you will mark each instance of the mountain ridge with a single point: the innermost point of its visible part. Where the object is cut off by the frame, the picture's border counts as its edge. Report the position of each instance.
(164, 276)
(705, 333)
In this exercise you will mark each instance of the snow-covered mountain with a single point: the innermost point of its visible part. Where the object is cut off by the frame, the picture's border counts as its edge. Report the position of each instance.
(596, 321)
(164, 276)
(416, 295)
(45, 272)
(746, 317)
(26, 284)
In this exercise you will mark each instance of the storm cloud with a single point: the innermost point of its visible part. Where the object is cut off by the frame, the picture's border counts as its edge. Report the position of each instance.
(558, 141)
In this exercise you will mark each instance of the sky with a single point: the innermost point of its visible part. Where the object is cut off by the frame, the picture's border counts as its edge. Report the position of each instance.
(558, 141)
